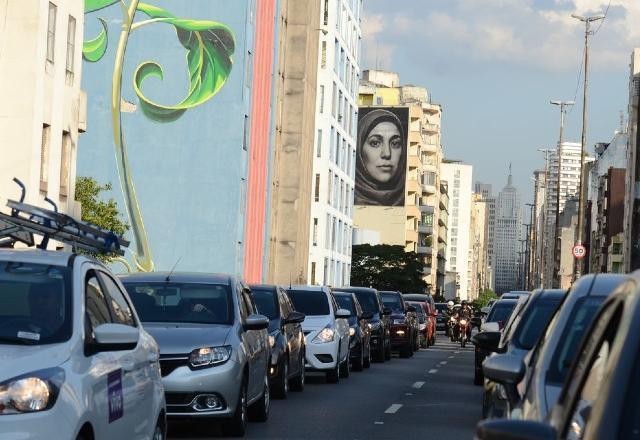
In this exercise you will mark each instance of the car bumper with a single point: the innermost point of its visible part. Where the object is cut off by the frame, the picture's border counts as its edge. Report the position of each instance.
(184, 388)
(400, 335)
(37, 425)
(321, 357)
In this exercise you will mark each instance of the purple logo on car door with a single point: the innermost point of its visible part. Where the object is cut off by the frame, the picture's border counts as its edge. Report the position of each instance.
(114, 387)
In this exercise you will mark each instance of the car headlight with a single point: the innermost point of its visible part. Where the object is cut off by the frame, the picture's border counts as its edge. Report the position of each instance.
(375, 326)
(32, 392)
(423, 326)
(324, 336)
(352, 331)
(272, 341)
(399, 321)
(208, 356)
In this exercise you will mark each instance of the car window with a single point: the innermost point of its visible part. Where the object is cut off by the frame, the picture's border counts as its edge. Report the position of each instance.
(580, 319)
(267, 302)
(119, 305)
(534, 322)
(394, 302)
(368, 301)
(500, 312)
(182, 302)
(97, 310)
(346, 302)
(309, 302)
(251, 305)
(285, 310)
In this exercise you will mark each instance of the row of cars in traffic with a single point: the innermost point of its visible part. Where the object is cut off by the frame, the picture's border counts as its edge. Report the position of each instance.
(562, 364)
(90, 355)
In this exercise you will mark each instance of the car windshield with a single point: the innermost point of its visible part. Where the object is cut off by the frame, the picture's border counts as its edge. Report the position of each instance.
(310, 302)
(422, 316)
(182, 302)
(441, 307)
(346, 302)
(579, 321)
(368, 301)
(35, 303)
(501, 312)
(393, 302)
(266, 302)
(534, 322)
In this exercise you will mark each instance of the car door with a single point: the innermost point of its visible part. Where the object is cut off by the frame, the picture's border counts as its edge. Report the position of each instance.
(291, 331)
(256, 348)
(342, 330)
(138, 364)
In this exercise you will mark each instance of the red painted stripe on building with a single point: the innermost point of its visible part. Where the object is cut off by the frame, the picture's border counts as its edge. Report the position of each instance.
(259, 140)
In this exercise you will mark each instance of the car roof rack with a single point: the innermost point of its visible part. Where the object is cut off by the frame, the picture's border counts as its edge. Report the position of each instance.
(26, 220)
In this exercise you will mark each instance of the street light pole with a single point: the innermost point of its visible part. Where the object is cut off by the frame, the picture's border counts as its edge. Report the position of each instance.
(556, 237)
(587, 21)
(531, 256)
(545, 207)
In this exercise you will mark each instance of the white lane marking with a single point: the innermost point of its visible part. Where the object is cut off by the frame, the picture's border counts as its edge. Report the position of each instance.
(408, 394)
(433, 370)
(456, 352)
(378, 423)
(443, 363)
(451, 357)
(417, 385)
(393, 408)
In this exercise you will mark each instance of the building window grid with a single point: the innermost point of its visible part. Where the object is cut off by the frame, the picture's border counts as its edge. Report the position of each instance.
(51, 32)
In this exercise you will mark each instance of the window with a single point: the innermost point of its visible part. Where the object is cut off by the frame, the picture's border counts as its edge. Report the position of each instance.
(322, 98)
(313, 272)
(65, 160)
(119, 305)
(245, 134)
(71, 44)
(315, 232)
(44, 157)
(51, 32)
(326, 13)
(617, 248)
(323, 59)
(96, 304)
(334, 99)
(330, 189)
(319, 144)
(316, 192)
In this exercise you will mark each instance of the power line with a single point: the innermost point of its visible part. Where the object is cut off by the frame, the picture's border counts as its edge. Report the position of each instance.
(578, 81)
(605, 16)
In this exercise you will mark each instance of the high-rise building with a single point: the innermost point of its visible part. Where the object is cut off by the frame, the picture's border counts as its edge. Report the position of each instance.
(336, 123)
(508, 232)
(42, 106)
(444, 285)
(632, 199)
(484, 189)
(537, 262)
(478, 269)
(415, 222)
(459, 176)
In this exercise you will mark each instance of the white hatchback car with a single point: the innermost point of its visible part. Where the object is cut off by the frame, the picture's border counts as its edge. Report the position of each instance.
(75, 362)
(326, 329)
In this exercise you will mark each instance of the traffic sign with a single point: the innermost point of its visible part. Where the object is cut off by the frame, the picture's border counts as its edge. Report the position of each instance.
(579, 251)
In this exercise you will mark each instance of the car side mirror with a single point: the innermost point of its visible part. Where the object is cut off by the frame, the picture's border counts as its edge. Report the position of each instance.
(504, 368)
(366, 315)
(487, 340)
(343, 313)
(503, 429)
(411, 309)
(115, 337)
(295, 318)
(386, 311)
(256, 322)
(476, 322)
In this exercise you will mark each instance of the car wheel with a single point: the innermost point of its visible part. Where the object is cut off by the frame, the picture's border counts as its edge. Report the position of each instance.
(367, 359)
(333, 376)
(381, 352)
(387, 354)
(297, 383)
(345, 367)
(237, 426)
(259, 411)
(281, 384)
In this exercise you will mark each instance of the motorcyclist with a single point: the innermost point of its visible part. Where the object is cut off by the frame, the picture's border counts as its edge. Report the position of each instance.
(448, 313)
(465, 312)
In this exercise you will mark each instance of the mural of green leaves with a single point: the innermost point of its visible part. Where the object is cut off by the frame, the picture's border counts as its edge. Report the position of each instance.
(209, 49)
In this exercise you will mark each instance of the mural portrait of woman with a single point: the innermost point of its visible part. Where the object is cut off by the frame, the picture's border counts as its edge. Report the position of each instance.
(381, 159)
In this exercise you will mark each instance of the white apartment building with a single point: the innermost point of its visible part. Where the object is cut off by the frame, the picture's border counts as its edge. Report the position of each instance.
(460, 177)
(42, 109)
(508, 232)
(484, 189)
(335, 147)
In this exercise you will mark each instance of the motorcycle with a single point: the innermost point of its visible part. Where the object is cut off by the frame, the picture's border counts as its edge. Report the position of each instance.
(462, 331)
(452, 324)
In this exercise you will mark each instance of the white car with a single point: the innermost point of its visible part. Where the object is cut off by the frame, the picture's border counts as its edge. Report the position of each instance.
(326, 330)
(75, 362)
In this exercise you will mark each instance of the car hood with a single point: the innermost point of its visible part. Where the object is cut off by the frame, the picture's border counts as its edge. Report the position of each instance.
(178, 338)
(397, 316)
(16, 360)
(311, 323)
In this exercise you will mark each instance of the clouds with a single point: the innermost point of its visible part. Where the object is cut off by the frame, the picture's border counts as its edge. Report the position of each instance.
(532, 33)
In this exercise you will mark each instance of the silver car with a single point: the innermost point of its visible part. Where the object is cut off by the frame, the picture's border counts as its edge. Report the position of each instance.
(214, 347)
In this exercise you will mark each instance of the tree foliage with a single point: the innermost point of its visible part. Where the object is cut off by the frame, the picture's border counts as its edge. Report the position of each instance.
(387, 267)
(484, 297)
(95, 210)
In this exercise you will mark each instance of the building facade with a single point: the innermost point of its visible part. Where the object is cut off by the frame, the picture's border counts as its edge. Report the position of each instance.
(42, 107)
(478, 269)
(632, 199)
(508, 233)
(536, 260)
(336, 122)
(460, 178)
(485, 191)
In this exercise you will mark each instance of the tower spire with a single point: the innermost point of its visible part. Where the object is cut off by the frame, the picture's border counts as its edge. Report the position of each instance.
(510, 178)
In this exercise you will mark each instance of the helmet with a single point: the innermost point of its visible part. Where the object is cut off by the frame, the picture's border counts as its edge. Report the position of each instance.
(450, 304)
(464, 303)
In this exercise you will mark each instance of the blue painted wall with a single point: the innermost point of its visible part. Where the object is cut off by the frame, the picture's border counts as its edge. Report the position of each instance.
(190, 174)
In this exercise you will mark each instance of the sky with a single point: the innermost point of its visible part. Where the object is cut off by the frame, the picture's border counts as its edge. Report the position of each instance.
(494, 65)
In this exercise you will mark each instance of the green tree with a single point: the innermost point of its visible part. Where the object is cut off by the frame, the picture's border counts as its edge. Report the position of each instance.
(484, 297)
(97, 211)
(387, 267)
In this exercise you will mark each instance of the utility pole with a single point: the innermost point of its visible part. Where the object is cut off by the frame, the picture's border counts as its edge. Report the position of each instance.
(531, 256)
(578, 263)
(556, 237)
(527, 253)
(544, 216)
(521, 256)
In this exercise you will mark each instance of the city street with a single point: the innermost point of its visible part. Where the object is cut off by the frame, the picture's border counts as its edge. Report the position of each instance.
(430, 395)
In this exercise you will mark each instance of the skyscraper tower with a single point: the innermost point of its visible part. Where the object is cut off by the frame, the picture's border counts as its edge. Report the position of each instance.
(508, 230)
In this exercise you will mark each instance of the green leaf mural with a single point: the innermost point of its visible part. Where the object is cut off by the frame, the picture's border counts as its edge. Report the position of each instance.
(93, 50)
(209, 45)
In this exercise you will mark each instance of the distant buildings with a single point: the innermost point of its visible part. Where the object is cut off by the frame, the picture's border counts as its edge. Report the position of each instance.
(508, 232)
(632, 199)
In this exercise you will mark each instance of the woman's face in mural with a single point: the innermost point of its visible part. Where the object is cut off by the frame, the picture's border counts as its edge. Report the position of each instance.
(381, 151)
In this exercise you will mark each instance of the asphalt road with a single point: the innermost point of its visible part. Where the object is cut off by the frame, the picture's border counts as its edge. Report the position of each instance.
(431, 395)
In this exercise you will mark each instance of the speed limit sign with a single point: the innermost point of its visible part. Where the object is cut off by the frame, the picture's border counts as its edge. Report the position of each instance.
(579, 251)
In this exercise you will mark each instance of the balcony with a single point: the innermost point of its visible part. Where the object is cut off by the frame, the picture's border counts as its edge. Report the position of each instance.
(431, 108)
(431, 128)
(444, 201)
(415, 137)
(443, 218)
(426, 270)
(427, 209)
(414, 161)
(411, 235)
(412, 211)
(425, 229)
(425, 250)
(413, 185)
(428, 189)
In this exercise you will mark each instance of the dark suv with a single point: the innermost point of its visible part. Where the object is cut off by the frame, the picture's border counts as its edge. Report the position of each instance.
(379, 323)
(404, 327)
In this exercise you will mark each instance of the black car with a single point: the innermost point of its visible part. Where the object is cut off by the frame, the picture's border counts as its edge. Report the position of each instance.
(359, 331)
(379, 323)
(404, 327)
(285, 337)
(600, 398)
(441, 319)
